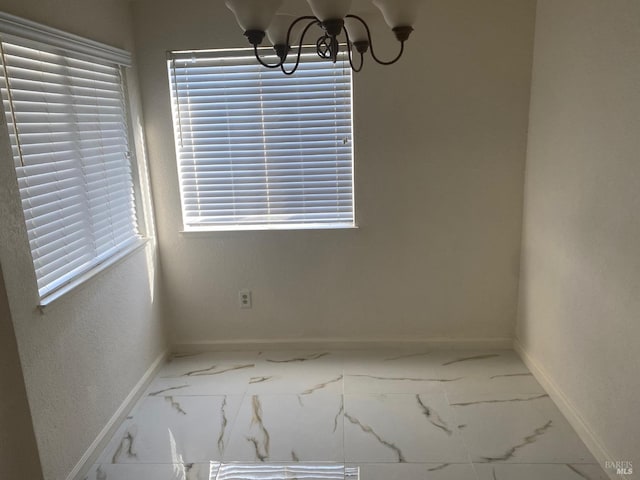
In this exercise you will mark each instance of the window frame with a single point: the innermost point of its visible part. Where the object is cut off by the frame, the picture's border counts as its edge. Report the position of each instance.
(248, 53)
(31, 34)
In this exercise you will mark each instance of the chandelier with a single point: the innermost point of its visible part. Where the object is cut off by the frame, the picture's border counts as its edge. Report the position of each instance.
(258, 18)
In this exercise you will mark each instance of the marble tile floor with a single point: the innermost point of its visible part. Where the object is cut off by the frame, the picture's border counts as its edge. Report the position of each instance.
(345, 415)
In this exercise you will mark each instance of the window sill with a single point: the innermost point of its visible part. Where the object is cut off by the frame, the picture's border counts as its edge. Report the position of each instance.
(85, 277)
(263, 228)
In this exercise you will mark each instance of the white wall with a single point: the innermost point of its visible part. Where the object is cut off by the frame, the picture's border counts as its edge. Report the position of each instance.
(440, 148)
(84, 355)
(18, 451)
(580, 287)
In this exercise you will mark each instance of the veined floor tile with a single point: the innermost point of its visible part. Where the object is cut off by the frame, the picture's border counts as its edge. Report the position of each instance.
(462, 363)
(436, 359)
(282, 471)
(174, 429)
(288, 381)
(207, 364)
(393, 371)
(406, 414)
(194, 471)
(394, 381)
(284, 428)
(521, 382)
(299, 357)
(436, 371)
(375, 361)
(227, 383)
(401, 428)
(412, 471)
(540, 472)
(297, 373)
(387, 354)
(517, 428)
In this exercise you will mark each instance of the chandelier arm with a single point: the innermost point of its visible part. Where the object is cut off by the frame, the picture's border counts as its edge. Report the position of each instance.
(350, 53)
(391, 62)
(295, 22)
(262, 62)
(304, 32)
(373, 54)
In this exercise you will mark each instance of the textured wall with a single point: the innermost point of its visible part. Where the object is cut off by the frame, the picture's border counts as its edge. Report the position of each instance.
(440, 149)
(18, 450)
(84, 355)
(580, 287)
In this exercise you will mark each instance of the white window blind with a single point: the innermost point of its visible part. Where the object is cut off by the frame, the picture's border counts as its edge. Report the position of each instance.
(257, 148)
(66, 118)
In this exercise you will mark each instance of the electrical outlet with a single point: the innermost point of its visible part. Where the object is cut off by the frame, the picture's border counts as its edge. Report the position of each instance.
(244, 298)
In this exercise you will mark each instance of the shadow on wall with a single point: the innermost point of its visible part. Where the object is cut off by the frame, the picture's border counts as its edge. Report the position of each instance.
(18, 452)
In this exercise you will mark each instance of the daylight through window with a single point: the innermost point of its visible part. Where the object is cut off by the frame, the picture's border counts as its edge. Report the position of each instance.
(67, 124)
(258, 149)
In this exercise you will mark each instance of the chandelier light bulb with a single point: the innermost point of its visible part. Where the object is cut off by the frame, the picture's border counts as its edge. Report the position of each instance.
(254, 14)
(330, 9)
(399, 13)
(277, 31)
(356, 30)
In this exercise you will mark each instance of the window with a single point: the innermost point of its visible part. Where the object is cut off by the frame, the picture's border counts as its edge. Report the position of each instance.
(257, 149)
(66, 116)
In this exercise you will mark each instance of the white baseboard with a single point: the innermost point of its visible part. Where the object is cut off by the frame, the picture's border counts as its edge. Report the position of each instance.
(344, 344)
(96, 447)
(577, 421)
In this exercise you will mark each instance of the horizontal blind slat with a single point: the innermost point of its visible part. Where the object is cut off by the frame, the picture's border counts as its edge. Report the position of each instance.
(257, 147)
(76, 180)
